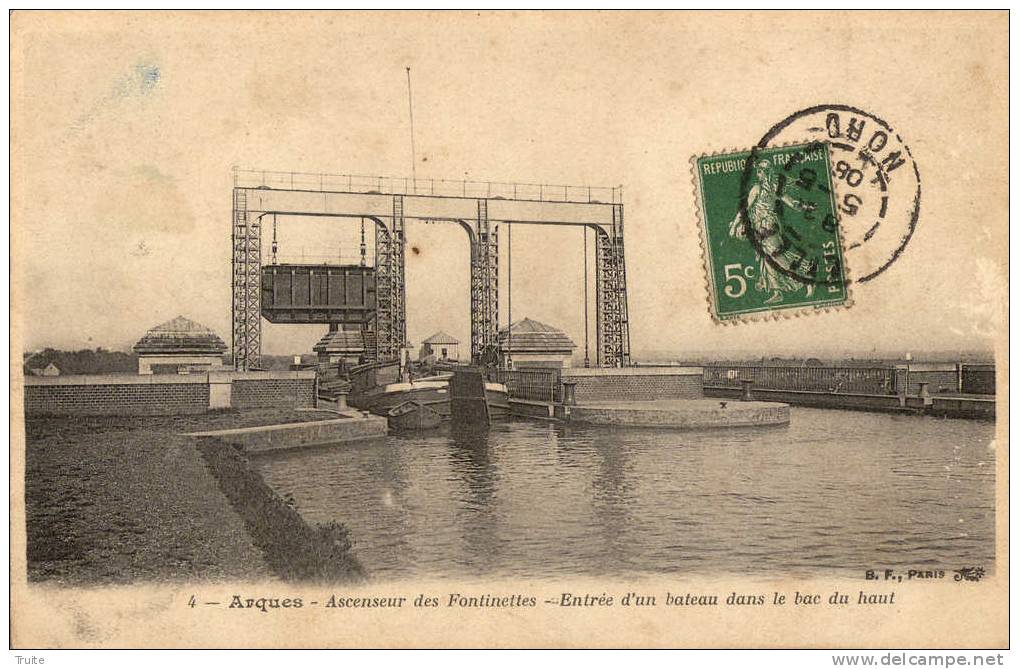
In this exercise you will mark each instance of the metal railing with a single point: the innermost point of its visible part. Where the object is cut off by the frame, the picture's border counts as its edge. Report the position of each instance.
(494, 190)
(539, 385)
(315, 259)
(866, 380)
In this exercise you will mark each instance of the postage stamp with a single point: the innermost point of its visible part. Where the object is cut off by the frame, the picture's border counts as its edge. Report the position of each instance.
(770, 231)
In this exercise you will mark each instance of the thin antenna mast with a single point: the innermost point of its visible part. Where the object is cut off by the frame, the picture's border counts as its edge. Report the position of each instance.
(509, 300)
(413, 153)
(274, 245)
(363, 247)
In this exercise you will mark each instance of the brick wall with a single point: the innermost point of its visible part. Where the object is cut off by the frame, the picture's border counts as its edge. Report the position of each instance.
(165, 395)
(256, 393)
(635, 384)
(148, 399)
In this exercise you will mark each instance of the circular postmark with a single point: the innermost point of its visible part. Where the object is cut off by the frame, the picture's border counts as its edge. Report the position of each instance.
(875, 177)
(788, 213)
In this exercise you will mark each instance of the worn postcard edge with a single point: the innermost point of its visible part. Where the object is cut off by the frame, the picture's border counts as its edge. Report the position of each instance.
(38, 596)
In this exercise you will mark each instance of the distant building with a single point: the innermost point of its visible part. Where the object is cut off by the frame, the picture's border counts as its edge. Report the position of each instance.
(179, 346)
(440, 345)
(341, 345)
(37, 365)
(532, 344)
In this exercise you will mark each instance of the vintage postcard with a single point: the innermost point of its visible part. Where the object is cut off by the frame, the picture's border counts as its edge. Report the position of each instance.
(413, 329)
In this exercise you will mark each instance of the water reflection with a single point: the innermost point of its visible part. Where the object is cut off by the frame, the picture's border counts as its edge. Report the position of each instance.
(477, 478)
(385, 501)
(611, 487)
(835, 492)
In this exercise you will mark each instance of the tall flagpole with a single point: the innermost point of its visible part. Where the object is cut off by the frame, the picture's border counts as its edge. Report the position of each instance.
(413, 153)
(509, 301)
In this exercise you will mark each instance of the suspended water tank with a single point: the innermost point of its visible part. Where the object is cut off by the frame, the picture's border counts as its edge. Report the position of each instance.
(318, 293)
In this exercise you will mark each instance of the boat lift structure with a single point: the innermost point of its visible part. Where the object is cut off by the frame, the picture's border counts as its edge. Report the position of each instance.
(479, 207)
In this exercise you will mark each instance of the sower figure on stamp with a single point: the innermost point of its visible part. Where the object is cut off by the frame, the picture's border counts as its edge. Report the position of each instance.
(767, 229)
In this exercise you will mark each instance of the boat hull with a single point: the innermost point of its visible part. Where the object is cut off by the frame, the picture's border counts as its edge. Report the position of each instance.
(435, 398)
(411, 415)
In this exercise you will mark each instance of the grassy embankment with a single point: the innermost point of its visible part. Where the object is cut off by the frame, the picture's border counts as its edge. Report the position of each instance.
(294, 550)
(127, 499)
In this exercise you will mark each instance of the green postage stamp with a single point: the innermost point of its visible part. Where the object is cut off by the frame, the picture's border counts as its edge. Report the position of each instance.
(770, 233)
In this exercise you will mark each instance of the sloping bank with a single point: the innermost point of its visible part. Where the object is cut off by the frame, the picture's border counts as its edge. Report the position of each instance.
(293, 549)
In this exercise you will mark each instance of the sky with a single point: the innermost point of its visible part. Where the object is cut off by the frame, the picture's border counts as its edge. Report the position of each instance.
(125, 131)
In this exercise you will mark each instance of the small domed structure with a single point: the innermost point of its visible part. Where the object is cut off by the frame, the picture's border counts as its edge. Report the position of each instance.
(179, 346)
(529, 343)
(340, 344)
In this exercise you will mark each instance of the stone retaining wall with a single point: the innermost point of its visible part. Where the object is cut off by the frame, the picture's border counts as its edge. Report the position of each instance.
(115, 395)
(293, 549)
(348, 427)
(258, 393)
(165, 395)
(635, 383)
(697, 414)
(955, 407)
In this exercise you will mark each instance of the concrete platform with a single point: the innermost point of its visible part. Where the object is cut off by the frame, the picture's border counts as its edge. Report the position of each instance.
(683, 414)
(951, 406)
(351, 426)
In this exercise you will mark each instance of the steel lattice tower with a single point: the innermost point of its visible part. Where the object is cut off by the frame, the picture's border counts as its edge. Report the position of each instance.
(247, 277)
(484, 285)
(613, 327)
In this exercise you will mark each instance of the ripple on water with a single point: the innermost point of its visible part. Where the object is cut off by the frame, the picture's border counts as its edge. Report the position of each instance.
(834, 491)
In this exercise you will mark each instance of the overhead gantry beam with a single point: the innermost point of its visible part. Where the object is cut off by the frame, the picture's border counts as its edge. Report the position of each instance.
(390, 212)
(426, 207)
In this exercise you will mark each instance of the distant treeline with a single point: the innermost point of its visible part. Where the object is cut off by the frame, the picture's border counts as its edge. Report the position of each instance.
(103, 361)
(85, 361)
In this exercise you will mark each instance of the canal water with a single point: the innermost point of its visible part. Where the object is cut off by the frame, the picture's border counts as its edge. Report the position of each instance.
(834, 493)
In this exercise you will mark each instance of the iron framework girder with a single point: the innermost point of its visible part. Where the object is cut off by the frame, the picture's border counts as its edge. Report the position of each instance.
(246, 330)
(391, 314)
(612, 320)
(399, 284)
(384, 294)
(484, 285)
